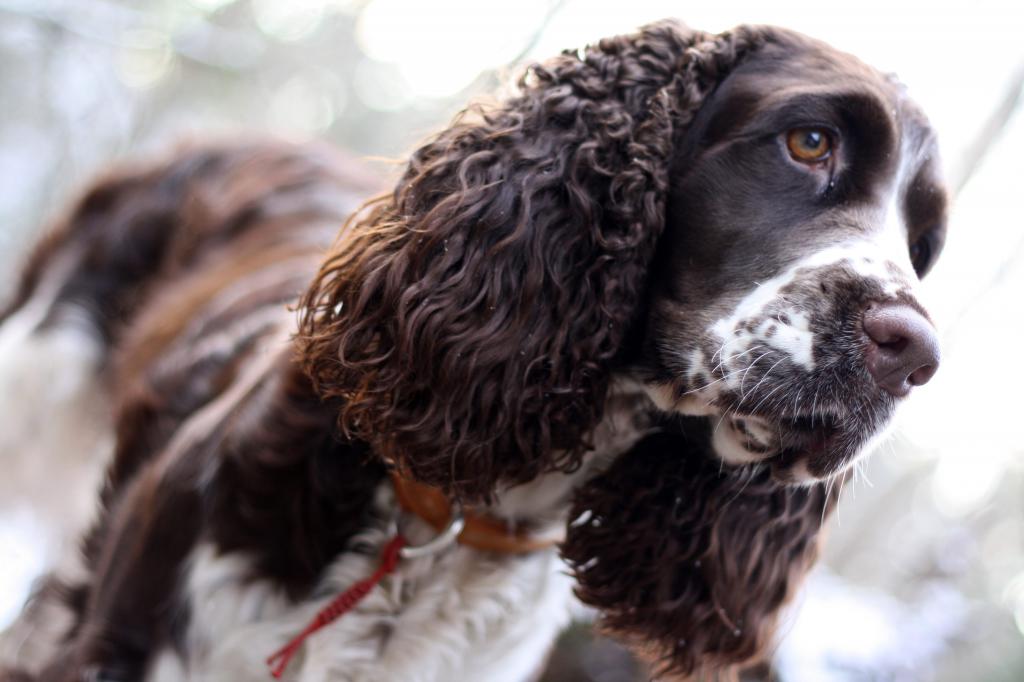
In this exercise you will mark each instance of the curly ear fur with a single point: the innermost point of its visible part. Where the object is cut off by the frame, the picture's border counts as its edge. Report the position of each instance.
(693, 565)
(468, 321)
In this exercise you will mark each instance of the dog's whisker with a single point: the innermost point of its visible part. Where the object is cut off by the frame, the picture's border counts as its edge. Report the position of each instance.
(829, 483)
(698, 389)
(743, 379)
(758, 385)
(735, 356)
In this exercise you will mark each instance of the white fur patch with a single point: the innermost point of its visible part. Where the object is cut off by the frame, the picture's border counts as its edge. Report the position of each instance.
(743, 440)
(799, 473)
(729, 446)
(792, 334)
(167, 666)
(787, 329)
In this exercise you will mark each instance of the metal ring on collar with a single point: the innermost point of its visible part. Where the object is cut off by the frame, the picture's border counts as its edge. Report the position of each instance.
(448, 535)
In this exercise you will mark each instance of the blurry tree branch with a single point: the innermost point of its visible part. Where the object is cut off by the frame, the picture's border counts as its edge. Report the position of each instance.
(990, 131)
(554, 7)
(987, 137)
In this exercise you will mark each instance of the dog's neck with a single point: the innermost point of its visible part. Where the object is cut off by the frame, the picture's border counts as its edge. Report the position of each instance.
(544, 502)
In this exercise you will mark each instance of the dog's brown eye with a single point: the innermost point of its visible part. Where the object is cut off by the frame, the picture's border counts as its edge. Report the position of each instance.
(809, 145)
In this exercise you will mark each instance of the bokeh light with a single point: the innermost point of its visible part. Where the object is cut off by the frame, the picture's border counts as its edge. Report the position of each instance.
(291, 20)
(306, 104)
(440, 47)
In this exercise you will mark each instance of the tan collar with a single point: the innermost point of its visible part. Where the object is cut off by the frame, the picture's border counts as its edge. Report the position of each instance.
(480, 531)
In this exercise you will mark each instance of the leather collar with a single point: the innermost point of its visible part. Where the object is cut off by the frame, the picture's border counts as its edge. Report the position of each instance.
(480, 531)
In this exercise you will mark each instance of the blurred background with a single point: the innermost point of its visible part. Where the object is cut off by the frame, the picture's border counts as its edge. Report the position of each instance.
(923, 577)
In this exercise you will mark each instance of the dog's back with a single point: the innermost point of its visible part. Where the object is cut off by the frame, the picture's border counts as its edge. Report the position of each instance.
(141, 306)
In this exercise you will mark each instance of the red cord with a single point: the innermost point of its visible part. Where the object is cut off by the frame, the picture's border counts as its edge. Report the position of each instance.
(342, 604)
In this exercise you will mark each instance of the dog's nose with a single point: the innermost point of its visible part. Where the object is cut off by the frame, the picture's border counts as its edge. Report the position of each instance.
(904, 349)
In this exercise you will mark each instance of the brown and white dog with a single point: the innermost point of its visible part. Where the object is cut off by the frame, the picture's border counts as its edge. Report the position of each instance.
(653, 305)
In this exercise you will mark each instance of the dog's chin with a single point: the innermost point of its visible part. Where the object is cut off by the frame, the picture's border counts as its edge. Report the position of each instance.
(798, 450)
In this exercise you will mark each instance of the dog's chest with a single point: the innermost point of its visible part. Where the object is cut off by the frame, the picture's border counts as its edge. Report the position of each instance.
(463, 615)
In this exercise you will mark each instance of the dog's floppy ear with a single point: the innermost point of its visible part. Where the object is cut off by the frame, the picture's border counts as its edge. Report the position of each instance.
(692, 566)
(467, 321)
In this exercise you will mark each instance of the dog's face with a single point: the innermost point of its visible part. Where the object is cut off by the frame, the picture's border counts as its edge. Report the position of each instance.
(804, 206)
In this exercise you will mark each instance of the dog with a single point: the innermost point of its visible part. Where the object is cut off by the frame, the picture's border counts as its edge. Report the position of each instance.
(618, 337)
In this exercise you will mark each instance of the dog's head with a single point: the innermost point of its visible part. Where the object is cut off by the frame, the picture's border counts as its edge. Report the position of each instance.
(735, 222)
(804, 205)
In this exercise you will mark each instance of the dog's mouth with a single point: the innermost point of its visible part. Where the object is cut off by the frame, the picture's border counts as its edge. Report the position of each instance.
(806, 441)
(811, 434)
(797, 449)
